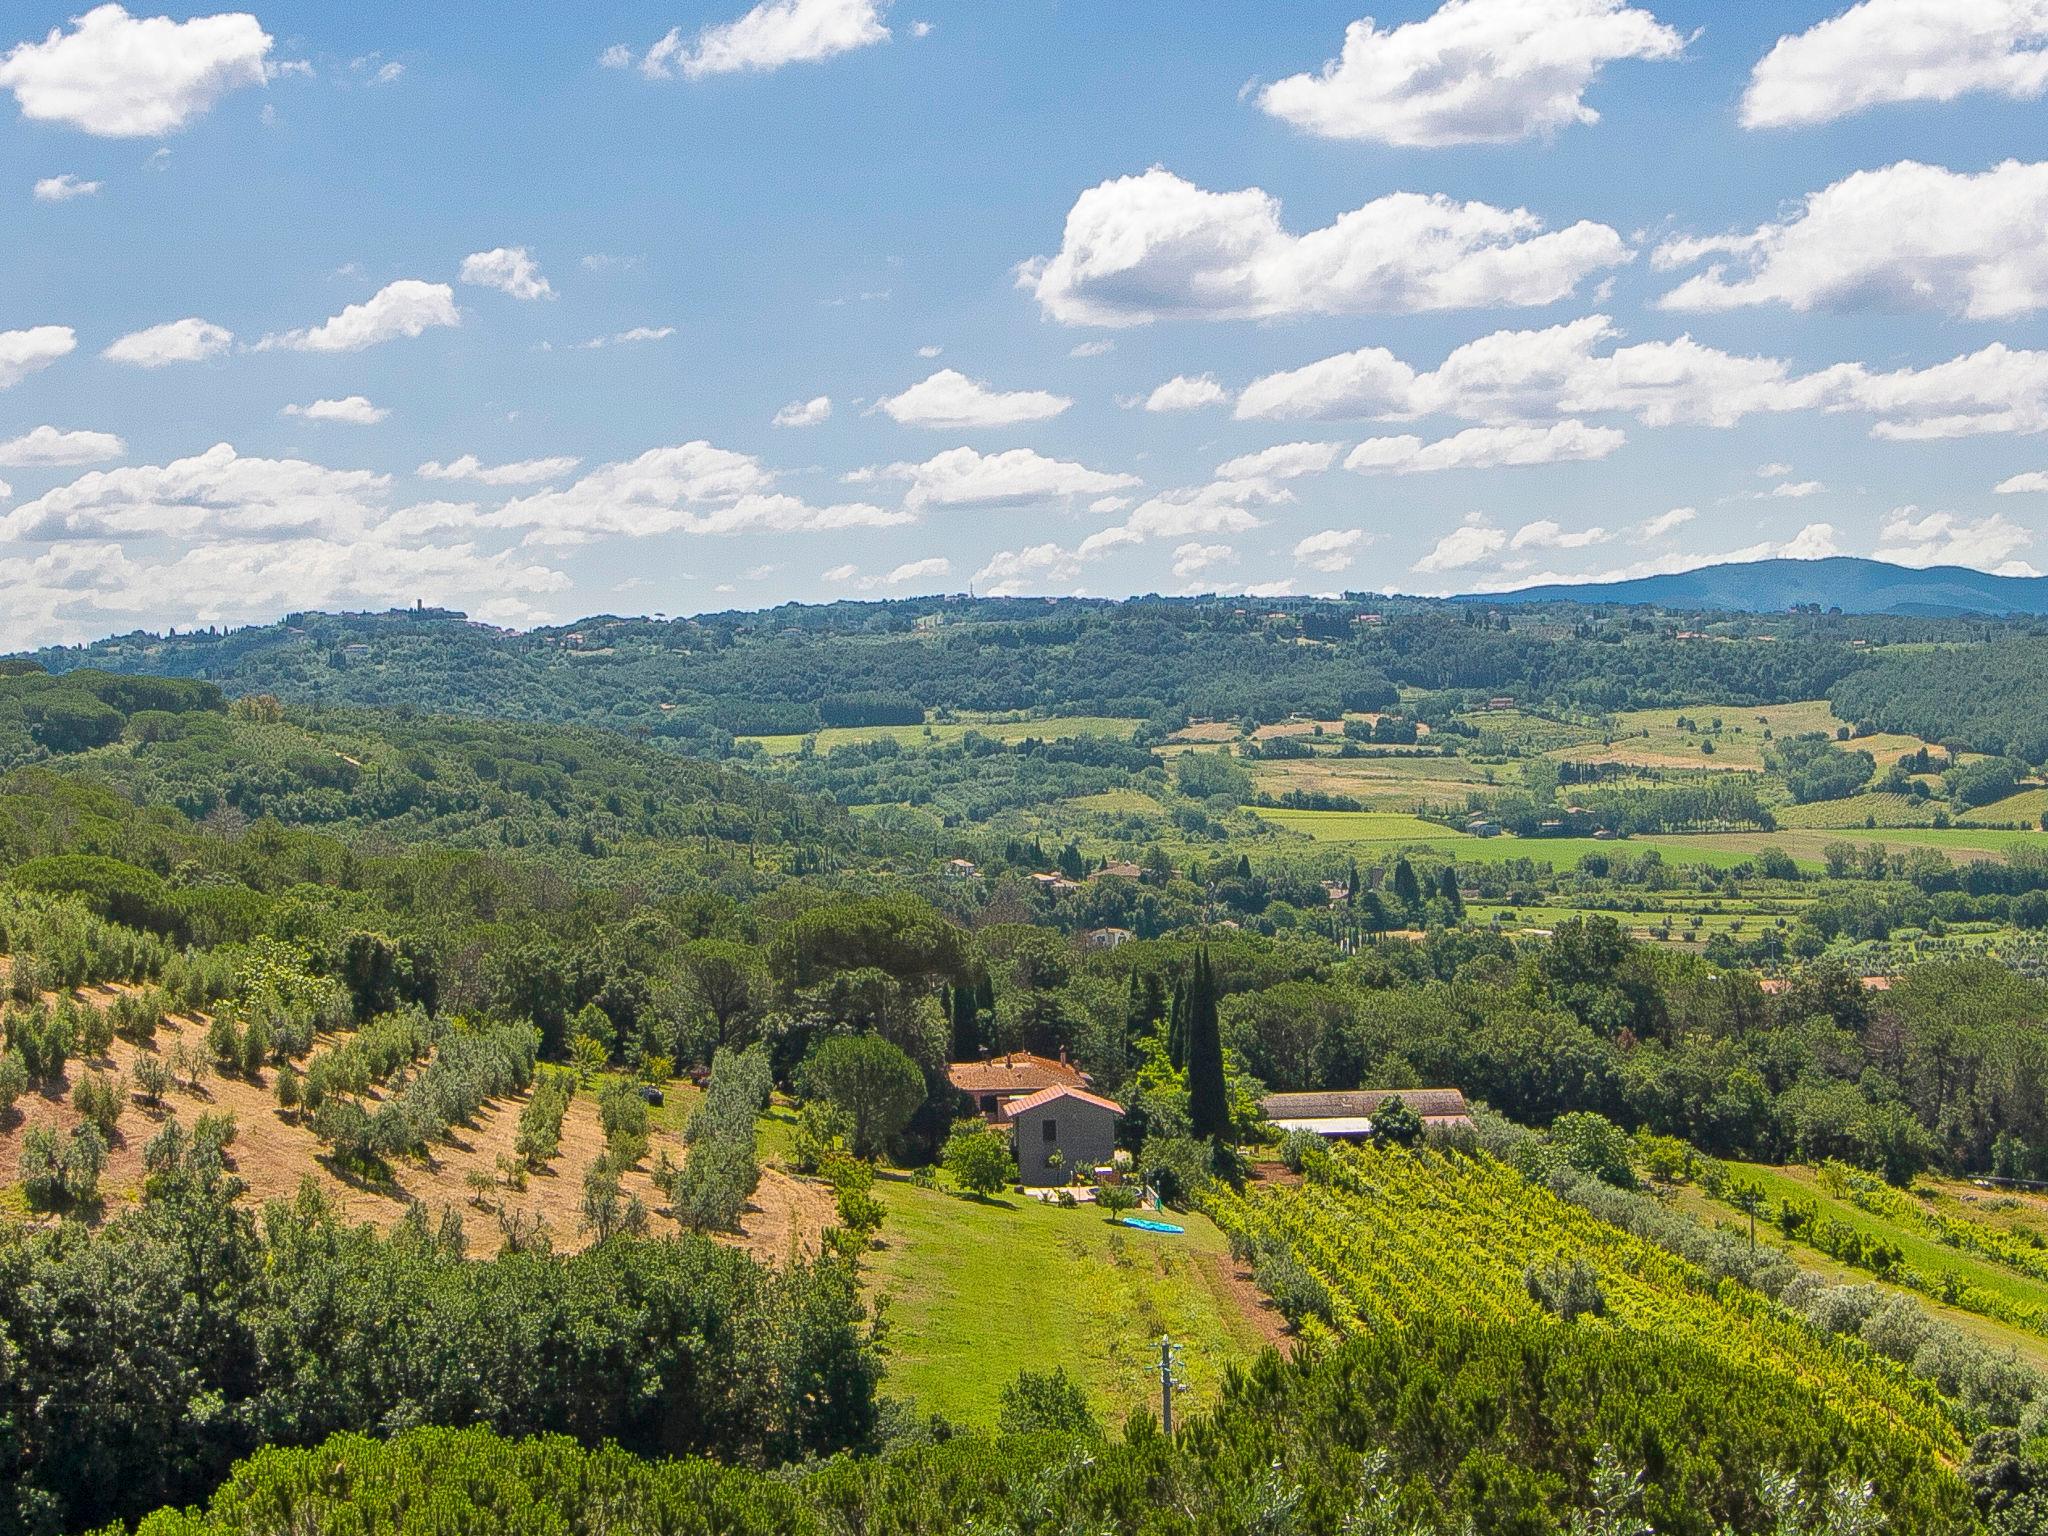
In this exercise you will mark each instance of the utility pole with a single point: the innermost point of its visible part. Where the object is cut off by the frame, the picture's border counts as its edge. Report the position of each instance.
(1169, 1383)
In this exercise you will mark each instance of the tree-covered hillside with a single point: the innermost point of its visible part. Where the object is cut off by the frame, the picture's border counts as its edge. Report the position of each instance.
(1991, 698)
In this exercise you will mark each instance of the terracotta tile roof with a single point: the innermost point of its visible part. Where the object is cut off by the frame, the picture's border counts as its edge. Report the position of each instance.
(1016, 1073)
(1429, 1103)
(1047, 1096)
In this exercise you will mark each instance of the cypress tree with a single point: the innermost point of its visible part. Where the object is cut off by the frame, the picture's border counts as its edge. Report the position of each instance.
(1177, 1028)
(1407, 889)
(1208, 1095)
(966, 1024)
(1447, 883)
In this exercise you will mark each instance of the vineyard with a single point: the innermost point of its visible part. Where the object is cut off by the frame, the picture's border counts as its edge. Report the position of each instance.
(1381, 1241)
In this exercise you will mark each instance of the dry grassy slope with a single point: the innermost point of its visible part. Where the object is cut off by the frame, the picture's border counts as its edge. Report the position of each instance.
(273, 1152)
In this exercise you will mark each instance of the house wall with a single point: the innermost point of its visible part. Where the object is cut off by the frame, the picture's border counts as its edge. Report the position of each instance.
(1085, 1136)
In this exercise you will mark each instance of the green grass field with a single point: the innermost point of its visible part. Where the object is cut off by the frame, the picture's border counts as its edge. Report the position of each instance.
(975, 1291)
(1359, 826)
(1854, 812)
(1053, 729)
(2028, 806)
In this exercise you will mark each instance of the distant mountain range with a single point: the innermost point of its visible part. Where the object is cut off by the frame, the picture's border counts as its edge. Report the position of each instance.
(1769, 586)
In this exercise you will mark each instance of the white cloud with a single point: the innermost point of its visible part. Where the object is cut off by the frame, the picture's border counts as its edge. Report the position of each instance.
(63, 188)
(961, 477)
(918, 570)
(1942, 538)
(771, 35)
(45, 446)
(1653, 528)
(929, 352)
(627, 338)
(2033, 480)
(693, 488)
(509, 269)
(1282, 461)
(1100, 348)
(1014, 572)
(949, 400)
(215, 494)
(1995, 390)
(25, 352)
(1884, 51)
(1182, 393)
(1485, 448)
(1907, 236)
(1222, 506)
(1547, 534)
(190, 340)
(121, 76)
(1150, 247)
(405, 308)
(1331, 551)
(1475, 72)
(519, 472)
(839, 574)
(1191, 560)
(1464, 546)
(1816, 541)
(355, 410)
(1773, 471)
(1794, 490)
(804, 413)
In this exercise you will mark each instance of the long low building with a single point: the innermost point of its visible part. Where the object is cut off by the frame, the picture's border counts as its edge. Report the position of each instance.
(1347, 1115)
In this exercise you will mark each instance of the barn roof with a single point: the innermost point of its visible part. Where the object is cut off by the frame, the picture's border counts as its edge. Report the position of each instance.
(1429, 1103)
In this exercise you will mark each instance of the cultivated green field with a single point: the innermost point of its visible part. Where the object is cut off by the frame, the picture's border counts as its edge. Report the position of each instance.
(1009, 729)
(974, 1291)
(2028, 806)
(1360, 826)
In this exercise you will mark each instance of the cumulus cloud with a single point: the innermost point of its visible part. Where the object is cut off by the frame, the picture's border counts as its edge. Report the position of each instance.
(1941, 538)
(1663, 524)
(215, 494)
(406, 308)
(771, 35)
(1485, 448)
(804, 413)
(25, 352)
(509, 269)
(1464, 546)
(1222, 506)
(190, 340)
(1549, 534)
(1475, 72)
(1794, 490)
(913, 571)
(1816, 541)
(1331, 551)
(354, 410)
(1282, 461)
(1182, 393)
(627, 338)
(961, 477)
(46, 446)
(63, 188)
(1907, 236)
(1570, 370)
(951, 401)
(1884, 51)
(121, 76)
(692, 488)
(1014, 572)
(1191, 560)
(2033, 480)
(518, 472)
(1153, 246)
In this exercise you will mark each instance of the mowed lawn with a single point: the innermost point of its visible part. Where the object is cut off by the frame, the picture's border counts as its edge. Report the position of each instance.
(1057, 728)
(974, 1291)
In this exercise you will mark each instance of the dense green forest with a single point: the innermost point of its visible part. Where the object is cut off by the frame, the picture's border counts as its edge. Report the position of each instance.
(1987, 696)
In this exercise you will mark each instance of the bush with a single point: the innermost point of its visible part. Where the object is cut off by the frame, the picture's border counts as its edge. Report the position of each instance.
(13, 1080)
(1177, 1167)
(153, 1079)
(100, 1099)
(1116, 1199)
(977, 1157)
(540, 1122)
(1045, 1402)
(1569, 1290)
(1294, 1287)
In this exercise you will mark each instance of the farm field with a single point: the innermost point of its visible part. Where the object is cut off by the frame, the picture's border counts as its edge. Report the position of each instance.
(1359, 826)
(1856, 811)
(931, 734)
(1653, 738)
(1382, 783)
(2028, 807)
(975, 1290)
(2017, 1295)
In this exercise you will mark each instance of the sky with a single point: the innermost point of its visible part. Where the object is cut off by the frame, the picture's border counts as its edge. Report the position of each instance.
(540, 312)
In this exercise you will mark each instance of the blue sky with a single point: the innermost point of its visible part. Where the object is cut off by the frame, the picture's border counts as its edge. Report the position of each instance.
(328, 306)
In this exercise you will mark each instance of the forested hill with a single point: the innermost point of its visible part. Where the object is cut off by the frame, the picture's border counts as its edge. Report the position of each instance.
(798, 668)
(1769, 586)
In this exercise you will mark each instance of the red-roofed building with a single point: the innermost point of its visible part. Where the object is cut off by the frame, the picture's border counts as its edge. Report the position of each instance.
(996, 1081)
(1061, 1130)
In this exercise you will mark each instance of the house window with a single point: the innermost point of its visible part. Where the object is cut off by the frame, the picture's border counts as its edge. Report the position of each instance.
(988, 1103)
(1051, 1131)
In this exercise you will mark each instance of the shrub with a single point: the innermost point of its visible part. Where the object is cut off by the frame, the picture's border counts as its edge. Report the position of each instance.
(977, 1156)
(153, 1079)
(540, 1122)
(41, 1168)
(1045, 1402)
(1116, 1199)
(13, 1080)
(1569, 1290)
(99, 1099)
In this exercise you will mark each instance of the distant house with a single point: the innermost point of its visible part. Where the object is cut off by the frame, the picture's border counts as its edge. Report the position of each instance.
(1123, 870)
(1348, 1116)
(1059, 1130)
(995, 1082)
(1107, 938)
(1501, 701)
(961, 869)
(1479, 826)
(1054, 883)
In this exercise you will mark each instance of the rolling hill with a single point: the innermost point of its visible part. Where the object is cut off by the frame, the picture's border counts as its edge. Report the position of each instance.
(1764, 586)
